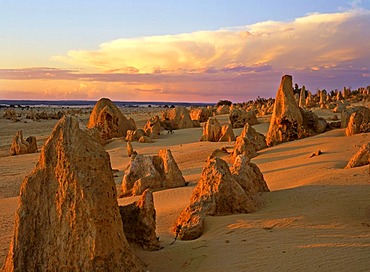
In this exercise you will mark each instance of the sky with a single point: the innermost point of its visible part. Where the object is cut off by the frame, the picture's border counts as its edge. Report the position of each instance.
(180, 51)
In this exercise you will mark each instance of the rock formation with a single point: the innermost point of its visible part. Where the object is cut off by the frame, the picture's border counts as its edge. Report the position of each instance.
(245, 147)
(134, 135)
(312, 124)
(286, 118)
(20, 146)
(359, 122)
(223, 109)
(152, 127)
(130, 149)
(107, 117)
(138, 221)
(200, 114)
(256, 138)
(68, 217)
(302, 97)
(213, 132)
(179, 117)
(217, 193)
(227, 134)
(362, 157)
(153, 172)
(238, 118)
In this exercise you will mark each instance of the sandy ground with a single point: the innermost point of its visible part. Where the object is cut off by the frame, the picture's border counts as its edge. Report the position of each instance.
(316, 217)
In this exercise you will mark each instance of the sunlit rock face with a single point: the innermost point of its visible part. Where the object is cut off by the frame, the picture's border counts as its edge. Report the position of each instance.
(68, 217)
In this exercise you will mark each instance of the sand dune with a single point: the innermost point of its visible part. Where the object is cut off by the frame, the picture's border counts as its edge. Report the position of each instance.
(316, 217)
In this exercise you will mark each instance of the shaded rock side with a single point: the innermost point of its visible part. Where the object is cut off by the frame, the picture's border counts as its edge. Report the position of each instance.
(256, 138)
(359, 122)
(217, 193)
(152, 127)
(68, 216)
(362, 157)
(286, 118)
(211, 130)
(20, 146)
(108, 118)
(153, 172)
(138, 221)
(200, 114)
(179, 116)
(238, 118)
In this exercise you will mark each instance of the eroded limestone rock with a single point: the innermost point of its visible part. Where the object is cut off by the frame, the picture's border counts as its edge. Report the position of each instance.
(362, 157)
(20, 146)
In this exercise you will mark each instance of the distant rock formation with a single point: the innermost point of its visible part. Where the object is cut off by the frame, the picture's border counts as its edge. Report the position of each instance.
(256, 138)
(302, 97)
(362, 157)
(130, 149)
(223, 109)
(214, 132)
(359, 122)
(179, 117)
(152, 127)
(238, 118)
(20, 146)
(108, 118)
(138, 221)
(217, 193)
(200, 114)
(134, 135)
(68, 217)
(153, 172)
(286, 118)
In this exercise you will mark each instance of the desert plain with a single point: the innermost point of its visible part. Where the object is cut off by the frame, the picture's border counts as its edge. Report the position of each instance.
(316, 217)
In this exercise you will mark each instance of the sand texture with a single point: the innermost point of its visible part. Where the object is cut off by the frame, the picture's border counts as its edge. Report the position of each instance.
(316, 217)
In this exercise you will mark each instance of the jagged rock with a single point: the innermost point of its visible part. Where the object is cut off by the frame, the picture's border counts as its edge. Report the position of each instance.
(312, 124)
(217, 193)
(223, 109)
(153, 172)
(309, 100)
(238, 118)
(107, 117)
(346, 114)
(10, 114)
(130, 149)
(248, 175)
(339, 107)
(258, 139)
(359, 122)
(179, 117)
(362, 157)
(20, 146)
(227, 134)
(302, 97)
(286, 119)
(68, 217)
(245, 147)
(211, 130)
(135, 135)
(200, 114)
(152, 127)
(138, 221)
(218, 152)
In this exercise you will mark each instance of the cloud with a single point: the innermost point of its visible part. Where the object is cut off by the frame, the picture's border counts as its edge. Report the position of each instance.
(319, 50)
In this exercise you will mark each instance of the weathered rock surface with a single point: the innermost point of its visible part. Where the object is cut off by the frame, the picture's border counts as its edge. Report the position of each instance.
(217, 193)
(68, 217)
(359, 122)
(153, 172)
(238, 118)
(256, 138)
(362, 157)
(243, 147)
(223, 109)
(179, 117)
(302, 97)
(134, 135)
(200, 114)
(214, 132)
(312, 124)
(20, 146)
(286, 118)
(152, 127)
(139, 223)
(130, 149)
(107, 117)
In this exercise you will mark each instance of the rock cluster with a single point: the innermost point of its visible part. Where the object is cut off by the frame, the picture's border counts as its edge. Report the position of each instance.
(109, 120)
(362, 157)
(238, 118)
(178, 118)
(245, 147)
(219, 193)
(152, 127)
(200, 114)
(153, 172)
(214, 132)
(256, 138)
(20, 146)
(68, 217)
(138, 221)
(359, 121)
